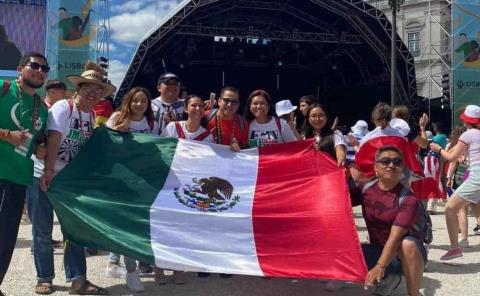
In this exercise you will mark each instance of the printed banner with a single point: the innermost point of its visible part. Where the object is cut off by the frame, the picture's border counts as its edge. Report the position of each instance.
(466, 55)
(72, 37)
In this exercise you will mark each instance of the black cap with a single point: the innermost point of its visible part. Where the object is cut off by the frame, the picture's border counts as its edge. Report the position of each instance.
(167, 76)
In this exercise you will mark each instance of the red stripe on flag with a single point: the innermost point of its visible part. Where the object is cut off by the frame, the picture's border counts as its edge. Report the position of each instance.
(302, 220)
(365, 157)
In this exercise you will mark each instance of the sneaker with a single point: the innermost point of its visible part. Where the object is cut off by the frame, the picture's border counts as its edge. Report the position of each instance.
(115, 272)
(463, 243)
(476, 230)
(179, 277)
(335, 285)
(451, 254)
(386, 286)
(133, 282)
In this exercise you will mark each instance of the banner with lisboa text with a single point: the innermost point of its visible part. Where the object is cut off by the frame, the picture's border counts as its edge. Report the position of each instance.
(71, 36)
(466, 54)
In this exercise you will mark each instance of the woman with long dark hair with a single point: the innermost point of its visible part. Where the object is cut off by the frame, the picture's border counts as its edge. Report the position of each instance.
(316, 126)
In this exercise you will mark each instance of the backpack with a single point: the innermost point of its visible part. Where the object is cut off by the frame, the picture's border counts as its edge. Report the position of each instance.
(423, 222)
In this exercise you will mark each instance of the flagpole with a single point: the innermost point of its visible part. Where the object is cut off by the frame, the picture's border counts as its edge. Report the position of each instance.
(395, 6)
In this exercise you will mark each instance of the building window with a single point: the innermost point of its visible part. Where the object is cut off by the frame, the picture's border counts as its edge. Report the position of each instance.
(414, 43)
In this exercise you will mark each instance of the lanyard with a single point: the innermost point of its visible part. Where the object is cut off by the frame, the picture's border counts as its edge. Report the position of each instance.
(219, 130)
(22, 110)
(80, 123)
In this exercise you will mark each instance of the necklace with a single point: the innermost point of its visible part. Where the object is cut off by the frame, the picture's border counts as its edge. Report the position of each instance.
(22, 110)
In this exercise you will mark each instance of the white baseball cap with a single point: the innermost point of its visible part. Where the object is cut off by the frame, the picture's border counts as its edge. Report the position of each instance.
(284, 107)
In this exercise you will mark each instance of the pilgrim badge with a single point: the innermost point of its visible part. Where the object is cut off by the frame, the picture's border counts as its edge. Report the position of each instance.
(211, 194)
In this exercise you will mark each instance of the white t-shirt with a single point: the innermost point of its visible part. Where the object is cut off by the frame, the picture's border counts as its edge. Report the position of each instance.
(263, 134)
(472, 139)
(75, 128)
(338, 139)
(141, 126)
(171, 131)
(160, 108)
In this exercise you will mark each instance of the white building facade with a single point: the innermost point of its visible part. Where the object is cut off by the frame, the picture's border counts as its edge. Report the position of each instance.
(425, 27)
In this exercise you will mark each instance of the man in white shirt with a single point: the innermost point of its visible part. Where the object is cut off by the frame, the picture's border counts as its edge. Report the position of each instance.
(168, 106)
(70, 124)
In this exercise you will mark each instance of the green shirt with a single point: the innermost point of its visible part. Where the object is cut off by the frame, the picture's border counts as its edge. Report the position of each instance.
(15, 167)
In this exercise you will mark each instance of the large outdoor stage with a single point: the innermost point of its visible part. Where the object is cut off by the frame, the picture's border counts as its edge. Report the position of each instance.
(338, 50)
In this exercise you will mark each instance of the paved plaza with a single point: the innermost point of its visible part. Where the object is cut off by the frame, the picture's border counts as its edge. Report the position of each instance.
(457, 277)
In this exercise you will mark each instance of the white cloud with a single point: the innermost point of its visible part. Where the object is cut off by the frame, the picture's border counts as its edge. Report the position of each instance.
(116, 72)
(126, 6)
(136, 18)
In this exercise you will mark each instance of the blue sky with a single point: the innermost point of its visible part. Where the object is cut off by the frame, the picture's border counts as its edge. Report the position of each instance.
(130, 20)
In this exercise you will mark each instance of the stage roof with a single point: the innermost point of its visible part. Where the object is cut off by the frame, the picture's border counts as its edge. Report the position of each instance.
(338, 50)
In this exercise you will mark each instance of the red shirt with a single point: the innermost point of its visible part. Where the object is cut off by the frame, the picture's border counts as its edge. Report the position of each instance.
(239, 126)
(381, 210)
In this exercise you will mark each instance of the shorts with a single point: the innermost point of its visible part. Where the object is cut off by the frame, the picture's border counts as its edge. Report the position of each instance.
(372, 253)
(470, 189)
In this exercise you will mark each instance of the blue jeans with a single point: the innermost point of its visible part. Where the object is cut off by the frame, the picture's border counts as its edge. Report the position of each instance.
(12, 197)
(40, 212)
(130, 263)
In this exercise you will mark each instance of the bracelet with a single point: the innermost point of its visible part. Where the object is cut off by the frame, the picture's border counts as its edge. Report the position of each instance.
(382, 267)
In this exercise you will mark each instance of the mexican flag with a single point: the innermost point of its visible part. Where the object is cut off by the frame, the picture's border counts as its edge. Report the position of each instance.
(281, 211)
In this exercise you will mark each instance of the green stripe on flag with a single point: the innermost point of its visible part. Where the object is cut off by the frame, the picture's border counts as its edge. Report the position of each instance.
(99, 214)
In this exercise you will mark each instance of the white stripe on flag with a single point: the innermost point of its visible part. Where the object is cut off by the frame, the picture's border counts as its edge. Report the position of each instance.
(185, 238)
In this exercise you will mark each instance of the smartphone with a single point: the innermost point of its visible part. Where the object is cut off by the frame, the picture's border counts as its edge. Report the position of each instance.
(212, 100)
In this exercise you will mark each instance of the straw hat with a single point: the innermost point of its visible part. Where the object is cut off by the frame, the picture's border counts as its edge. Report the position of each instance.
(93, 73)
(471, 114)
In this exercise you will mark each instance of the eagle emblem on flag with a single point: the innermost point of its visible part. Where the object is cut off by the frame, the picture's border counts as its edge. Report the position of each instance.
(212, 194)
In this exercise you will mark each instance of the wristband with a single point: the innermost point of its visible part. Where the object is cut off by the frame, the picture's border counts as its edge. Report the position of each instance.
(382, 267)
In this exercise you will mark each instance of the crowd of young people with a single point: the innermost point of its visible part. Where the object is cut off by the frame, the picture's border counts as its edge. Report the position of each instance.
(396, 246)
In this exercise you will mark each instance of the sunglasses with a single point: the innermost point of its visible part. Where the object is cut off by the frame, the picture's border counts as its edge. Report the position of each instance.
(35, 66)
(228, 101)
(386, 161)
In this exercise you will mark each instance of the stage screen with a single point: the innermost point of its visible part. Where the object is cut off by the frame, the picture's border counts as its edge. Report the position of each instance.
(22, 29)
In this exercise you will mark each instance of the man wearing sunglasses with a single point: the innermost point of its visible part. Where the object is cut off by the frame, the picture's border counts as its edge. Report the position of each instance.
(168, 106)
(391, 215)
(226, 126)
(23, 117)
